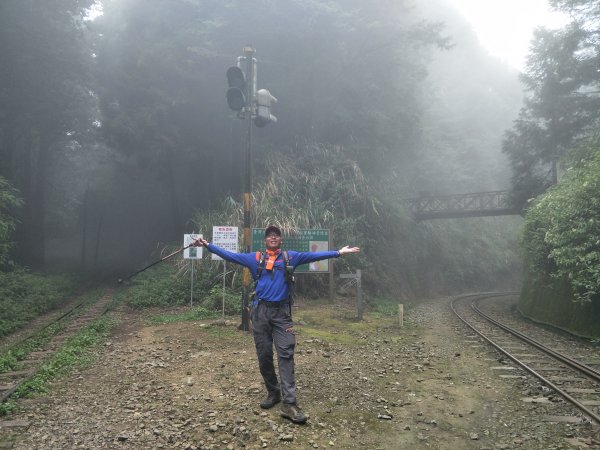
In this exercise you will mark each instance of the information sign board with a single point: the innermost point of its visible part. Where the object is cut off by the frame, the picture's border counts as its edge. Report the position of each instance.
(303, 240)
(225, 237)
(192, 252)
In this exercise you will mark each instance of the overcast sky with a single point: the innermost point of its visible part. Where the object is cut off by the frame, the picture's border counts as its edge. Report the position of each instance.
(505, 27)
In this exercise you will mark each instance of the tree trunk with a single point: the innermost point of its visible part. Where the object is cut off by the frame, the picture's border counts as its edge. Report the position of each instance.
(98, 236)
(84, 223)
(23, 146)
(32, 242)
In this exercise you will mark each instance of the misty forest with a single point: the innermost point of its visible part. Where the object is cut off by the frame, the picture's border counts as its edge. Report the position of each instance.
(116, 139)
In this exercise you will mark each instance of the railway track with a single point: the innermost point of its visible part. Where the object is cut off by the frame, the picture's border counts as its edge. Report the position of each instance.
(570, 388)
(48, 337)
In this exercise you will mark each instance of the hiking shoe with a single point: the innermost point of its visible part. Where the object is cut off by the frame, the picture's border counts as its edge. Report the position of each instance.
(293, 412)
(272, 399)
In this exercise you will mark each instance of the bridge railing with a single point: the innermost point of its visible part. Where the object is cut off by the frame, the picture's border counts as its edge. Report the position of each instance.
(476, 204)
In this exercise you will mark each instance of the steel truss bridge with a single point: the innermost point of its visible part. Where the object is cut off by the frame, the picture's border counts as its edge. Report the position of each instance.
(478, 204)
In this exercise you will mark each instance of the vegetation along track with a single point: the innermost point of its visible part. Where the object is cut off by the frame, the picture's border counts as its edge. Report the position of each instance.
(21, 357)
(570, 390)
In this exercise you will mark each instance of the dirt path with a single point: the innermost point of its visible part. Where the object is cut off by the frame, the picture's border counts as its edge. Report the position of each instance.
(373, 385)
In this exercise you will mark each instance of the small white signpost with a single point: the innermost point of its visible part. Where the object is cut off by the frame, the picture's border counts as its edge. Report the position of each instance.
(355, 277)
(225, 237)
(191, 253)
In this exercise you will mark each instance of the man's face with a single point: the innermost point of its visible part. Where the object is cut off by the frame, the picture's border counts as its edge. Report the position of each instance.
(272, 241)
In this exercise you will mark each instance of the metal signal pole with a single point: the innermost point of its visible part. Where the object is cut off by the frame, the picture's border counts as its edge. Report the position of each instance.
(247, 241)
(253, 106)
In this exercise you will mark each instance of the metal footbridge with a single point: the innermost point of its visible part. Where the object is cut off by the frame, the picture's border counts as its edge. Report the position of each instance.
(477, 204)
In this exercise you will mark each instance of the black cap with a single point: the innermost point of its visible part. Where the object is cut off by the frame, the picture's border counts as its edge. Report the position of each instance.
(272, 229)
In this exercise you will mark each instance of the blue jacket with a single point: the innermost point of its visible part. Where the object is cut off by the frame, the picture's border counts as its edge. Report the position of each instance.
(272, 286)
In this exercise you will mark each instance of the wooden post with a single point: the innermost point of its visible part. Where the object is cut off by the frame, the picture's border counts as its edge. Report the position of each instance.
(330, 267)
(400, 314)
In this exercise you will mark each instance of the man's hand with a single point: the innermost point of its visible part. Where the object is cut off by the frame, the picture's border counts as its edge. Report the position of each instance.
(348, 249)
(200, 242)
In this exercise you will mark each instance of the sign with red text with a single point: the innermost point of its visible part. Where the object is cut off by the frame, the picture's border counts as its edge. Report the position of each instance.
(225, 237)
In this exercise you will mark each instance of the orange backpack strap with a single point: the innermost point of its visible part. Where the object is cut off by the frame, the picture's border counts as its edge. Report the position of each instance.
(260, 257)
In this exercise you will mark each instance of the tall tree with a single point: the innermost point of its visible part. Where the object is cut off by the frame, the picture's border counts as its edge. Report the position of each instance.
(562, 106)
(44, 101)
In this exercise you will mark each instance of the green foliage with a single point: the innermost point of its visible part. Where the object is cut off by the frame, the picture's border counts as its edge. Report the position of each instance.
(198, 313)
(160, 286)
(562, 230)
(76, 353)
(214, 301)
(9, 359)
(11, 356)
(311, 186)
(385, 306)
(319, 186)
(550, 300)
(7, 407)
(24, 296)
(562, 106)
(9, 201)
(169, 285)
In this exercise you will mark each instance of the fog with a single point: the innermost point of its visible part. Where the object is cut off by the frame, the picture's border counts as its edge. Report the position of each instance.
(116, 130)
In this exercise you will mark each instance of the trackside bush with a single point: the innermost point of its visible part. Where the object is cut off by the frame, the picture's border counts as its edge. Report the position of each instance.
(169, 286)
(159, 287)
(562, 231)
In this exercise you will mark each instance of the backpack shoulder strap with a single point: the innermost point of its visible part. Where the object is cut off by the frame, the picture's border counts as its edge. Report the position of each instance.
(260, 257)
(286, 258)
(289, 276)
(289, 270)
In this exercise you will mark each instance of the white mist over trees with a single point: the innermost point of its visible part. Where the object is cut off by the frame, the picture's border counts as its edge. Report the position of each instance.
(116, 130)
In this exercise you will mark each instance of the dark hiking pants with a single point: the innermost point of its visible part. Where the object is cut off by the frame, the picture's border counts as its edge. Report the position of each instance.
(272, 324)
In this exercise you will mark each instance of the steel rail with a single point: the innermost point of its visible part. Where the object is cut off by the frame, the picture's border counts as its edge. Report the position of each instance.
(104, 308)
(591, 414)
(7, 393)
(589, 371)
(48, 325)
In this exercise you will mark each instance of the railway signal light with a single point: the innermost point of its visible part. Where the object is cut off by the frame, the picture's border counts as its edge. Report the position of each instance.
(236, 97)
(263, 116)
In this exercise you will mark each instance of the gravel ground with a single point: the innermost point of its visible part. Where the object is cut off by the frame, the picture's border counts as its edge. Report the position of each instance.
(367, 385)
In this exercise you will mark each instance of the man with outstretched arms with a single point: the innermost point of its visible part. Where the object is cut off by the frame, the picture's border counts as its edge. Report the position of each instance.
(271, 314)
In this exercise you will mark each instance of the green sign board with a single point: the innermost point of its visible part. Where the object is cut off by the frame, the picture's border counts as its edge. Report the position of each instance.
(303, 240)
